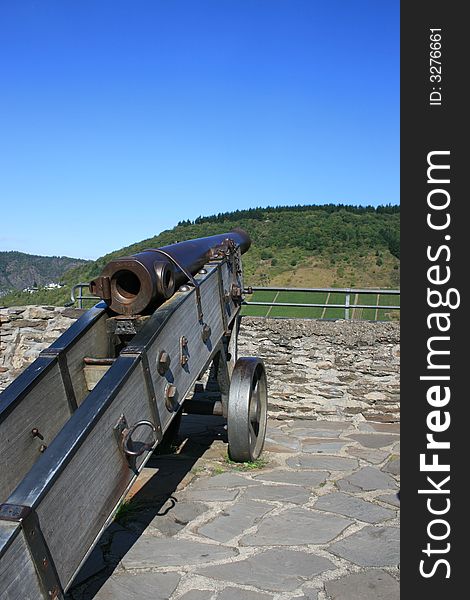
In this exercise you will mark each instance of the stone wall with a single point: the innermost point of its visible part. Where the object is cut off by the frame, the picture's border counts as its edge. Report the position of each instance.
(25, 331)
(326, 369)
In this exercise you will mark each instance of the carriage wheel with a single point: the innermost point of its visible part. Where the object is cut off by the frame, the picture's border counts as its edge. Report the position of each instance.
(247, 410)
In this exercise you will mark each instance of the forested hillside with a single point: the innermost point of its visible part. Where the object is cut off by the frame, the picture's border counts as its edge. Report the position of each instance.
(311, 246)
(19, 270)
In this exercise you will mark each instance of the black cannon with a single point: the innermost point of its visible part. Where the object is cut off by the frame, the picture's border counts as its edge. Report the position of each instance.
(138, 283)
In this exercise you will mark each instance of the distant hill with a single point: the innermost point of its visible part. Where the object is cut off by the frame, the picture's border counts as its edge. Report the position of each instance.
(297, 246)
(19, 270)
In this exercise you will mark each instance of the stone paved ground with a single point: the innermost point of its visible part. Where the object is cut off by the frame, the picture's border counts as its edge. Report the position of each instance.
(317, 520)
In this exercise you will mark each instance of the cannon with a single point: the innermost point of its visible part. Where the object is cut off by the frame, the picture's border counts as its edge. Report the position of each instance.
(137, 283)
(80, 423)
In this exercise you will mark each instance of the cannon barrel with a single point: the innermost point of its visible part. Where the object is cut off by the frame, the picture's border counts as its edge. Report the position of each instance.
(134, 284)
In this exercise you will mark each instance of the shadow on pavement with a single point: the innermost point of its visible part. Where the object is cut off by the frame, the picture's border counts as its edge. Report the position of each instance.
(150, 497)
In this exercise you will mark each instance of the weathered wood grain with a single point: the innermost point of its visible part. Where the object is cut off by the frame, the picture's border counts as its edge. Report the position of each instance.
(45, 408)
(93, 343)
(79, 503)
(37, 399)
(18, 580)
(185, 322)
(93, 373)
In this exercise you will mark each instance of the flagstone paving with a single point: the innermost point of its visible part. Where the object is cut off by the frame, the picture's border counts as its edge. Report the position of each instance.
(316, 519)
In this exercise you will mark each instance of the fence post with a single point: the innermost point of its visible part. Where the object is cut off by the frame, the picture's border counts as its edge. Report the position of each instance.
(346, 306)
(80, 303)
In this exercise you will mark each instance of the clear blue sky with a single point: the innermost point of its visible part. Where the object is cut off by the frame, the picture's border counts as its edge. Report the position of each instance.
(118, 118)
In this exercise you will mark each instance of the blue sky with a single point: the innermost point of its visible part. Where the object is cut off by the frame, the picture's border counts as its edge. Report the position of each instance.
(120, 118)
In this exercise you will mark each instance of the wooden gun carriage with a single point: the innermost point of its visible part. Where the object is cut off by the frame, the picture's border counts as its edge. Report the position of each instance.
(79, 424)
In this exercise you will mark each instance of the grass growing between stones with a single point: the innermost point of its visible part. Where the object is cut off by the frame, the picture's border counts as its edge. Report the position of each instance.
(229, 465)
(218, 470)
(197, 470)
(128, 510)
(259, 463)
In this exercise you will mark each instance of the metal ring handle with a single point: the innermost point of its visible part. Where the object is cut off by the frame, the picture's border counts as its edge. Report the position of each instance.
(127, 438)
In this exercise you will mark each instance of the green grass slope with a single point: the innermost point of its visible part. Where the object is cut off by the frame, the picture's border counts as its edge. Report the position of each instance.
(296, 246)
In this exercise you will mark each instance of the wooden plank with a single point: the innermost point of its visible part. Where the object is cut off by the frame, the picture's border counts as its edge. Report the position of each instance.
(93, 374)
(18, 579)
(45, 408)
(87, 490)
(93, 343)
(185, 322)
(37, 399)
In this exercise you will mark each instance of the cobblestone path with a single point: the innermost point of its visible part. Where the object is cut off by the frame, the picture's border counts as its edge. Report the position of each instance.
(317, 519)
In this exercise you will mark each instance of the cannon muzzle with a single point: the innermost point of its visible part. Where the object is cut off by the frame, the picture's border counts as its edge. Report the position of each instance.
(135, 284)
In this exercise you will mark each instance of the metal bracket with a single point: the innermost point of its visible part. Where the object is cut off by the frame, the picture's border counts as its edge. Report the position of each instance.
(184, 352)
(226, 248)
(171, 397)
(37, 546)
(222, 298)
(152, 396)
(101, 286)
(236, 294)
(119, 431)
(222, 375)
(59, 353)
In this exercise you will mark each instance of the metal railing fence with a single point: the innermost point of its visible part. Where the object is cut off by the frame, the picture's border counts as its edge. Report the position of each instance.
(78, 297)
(347, 305)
